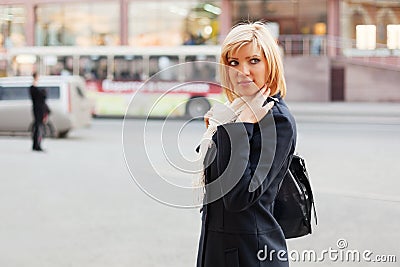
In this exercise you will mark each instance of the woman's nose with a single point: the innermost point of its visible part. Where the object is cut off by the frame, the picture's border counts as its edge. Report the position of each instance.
(245, 70)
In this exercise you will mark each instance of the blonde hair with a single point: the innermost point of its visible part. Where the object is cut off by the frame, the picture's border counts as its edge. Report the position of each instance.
(257, 34)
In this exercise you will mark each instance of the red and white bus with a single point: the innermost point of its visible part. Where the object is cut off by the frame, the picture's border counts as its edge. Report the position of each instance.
(165, 81)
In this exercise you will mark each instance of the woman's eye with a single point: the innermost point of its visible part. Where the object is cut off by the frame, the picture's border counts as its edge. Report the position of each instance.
(254, 60)
(233, 63)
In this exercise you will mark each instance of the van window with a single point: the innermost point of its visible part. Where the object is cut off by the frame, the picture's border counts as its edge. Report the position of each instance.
(22, 93)
(14, 93)
(53, 92)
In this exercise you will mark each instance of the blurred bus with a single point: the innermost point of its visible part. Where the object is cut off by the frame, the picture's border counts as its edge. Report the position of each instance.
(161, 84)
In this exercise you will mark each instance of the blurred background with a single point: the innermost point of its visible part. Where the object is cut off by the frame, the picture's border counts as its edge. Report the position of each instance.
(77, 204)
(325, 43)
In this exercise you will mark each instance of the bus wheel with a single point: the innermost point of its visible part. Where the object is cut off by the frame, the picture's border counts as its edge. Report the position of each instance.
(197, 106)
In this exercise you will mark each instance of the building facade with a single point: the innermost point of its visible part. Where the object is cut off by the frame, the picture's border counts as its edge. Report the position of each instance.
(341, 32)
(141, 23)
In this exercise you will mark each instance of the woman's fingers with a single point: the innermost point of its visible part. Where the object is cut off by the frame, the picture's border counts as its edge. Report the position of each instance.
(255, 113)
(237, 103)
(259, 99)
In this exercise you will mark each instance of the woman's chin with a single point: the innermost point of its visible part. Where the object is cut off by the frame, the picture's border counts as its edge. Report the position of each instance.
(246, 93)
(247, 90)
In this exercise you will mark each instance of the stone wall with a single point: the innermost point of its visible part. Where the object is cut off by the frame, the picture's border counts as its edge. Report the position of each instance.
(371, 83)
(308, 80)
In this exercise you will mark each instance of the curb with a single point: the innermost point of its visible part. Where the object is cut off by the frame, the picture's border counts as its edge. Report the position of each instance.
(346, 112)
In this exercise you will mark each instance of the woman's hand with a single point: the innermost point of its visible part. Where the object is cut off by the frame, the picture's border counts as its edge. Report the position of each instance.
(254, 110)
(221, 113)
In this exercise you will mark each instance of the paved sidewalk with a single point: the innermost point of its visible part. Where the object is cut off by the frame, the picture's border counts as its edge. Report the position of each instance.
(346, 112)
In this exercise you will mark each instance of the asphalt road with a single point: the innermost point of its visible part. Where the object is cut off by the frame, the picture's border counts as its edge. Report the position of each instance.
(78, 205)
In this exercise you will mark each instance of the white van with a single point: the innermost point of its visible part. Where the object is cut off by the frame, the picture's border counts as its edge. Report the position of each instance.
(66, 98)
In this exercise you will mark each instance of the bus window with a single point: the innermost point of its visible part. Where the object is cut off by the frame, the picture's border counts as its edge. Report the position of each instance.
(160, 63)
(93, 67)
(24, 64)
(200, 68)
(61, 65)
(128, 68)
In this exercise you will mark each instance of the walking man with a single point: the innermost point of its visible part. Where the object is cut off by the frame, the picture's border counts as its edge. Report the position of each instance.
(40, 108)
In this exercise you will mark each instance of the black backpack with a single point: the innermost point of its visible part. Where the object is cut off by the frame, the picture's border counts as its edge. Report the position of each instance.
(294, 202)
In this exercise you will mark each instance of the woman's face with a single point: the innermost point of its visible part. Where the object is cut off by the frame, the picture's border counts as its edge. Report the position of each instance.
(248, 70)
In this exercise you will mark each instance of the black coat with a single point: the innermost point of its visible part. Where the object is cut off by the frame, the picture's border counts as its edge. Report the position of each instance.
(39, 105)
(239, 228)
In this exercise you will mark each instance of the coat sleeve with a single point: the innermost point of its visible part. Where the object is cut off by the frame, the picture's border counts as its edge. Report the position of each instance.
(244, 177)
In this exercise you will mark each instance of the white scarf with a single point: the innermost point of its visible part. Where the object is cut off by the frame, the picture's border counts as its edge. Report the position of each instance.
(221, 114)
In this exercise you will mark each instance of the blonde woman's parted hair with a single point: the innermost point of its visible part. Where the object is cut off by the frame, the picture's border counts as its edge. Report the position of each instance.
(257, 34)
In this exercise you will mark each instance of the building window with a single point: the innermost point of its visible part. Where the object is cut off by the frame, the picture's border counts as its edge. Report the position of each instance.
(12, 26)
(78, 24)
(393, 36)
(293, 17)
(376, 18)
(153, 23)
(366, 37)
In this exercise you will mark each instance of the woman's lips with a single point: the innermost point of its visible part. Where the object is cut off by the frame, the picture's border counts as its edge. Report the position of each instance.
(247, 82)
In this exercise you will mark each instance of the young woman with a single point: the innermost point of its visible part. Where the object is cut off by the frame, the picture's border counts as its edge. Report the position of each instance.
(253, 140)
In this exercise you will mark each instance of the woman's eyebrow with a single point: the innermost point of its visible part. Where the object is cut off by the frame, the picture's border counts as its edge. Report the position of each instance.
(255, 55)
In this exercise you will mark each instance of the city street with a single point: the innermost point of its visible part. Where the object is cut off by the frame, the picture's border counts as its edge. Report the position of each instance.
(77, 204)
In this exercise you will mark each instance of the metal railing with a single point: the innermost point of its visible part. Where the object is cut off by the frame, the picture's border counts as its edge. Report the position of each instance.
(318, 45)
(303, 45)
